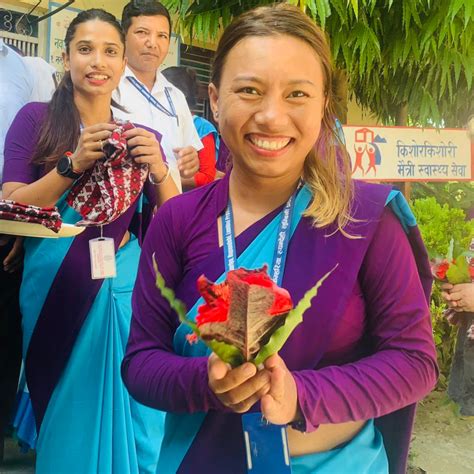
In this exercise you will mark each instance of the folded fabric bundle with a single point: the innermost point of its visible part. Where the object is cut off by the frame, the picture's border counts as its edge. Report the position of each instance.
(112, 185)
(46, 216)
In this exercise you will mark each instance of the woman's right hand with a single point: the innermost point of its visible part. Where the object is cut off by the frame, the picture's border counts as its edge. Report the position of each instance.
(90, 146)
(239, 388)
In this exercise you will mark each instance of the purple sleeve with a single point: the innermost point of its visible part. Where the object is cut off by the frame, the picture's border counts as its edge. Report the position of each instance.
(158, 137)
(20, 144)
(153, 373)
(402, 368)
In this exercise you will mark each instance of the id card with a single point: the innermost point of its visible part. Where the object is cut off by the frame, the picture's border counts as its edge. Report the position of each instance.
(266, 445)
(102, 252)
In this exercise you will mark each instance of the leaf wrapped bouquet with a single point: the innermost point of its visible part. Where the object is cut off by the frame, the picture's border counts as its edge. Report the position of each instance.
(246, 318)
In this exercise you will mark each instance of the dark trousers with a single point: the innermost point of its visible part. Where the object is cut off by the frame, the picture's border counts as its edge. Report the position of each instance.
(10, 341)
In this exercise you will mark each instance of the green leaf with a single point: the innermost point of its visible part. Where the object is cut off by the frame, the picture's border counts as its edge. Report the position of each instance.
(455, 6)
(226, 352)
(355, 7)
(468, 6)
(449, 255)
(341, 9)
(468, 70)
(295, 317)
(458, 272)
(169, 295)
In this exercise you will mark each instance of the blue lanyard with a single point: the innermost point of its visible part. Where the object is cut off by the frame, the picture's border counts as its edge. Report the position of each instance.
(281, 246)
(153, 101)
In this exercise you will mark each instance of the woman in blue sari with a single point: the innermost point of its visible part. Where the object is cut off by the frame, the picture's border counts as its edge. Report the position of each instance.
(75, 327)
(343, 387)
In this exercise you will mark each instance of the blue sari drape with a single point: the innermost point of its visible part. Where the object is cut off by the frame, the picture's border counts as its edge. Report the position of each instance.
(181, 429)
(86, 419)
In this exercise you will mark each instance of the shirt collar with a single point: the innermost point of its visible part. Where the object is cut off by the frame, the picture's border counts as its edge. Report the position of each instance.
(160, 81)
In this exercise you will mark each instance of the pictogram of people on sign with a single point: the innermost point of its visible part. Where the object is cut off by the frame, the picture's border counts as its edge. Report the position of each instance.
(367, 151)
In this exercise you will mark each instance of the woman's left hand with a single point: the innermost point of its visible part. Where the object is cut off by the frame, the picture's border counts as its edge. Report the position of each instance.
(145, 148)
(280, 404)
(14, 260)
(461, 297)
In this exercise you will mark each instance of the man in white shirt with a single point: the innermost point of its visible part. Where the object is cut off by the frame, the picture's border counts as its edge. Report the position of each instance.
(148, 96)
(16, 87)
(44, 78)
(15, 91)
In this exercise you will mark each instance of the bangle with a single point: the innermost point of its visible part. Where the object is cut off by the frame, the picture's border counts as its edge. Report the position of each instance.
(162, 180)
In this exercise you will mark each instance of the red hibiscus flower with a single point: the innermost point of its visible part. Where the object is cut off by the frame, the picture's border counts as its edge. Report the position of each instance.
(218, 296)
(441, 269)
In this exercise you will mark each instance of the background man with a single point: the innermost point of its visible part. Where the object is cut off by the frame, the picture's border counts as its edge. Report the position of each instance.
(148, 96)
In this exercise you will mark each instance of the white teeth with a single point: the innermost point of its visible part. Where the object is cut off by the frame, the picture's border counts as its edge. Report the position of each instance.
(100, 77)
(271, 145)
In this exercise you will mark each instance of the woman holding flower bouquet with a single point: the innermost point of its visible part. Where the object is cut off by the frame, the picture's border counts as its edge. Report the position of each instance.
(73, 154)
(460, 300)
(345, 383)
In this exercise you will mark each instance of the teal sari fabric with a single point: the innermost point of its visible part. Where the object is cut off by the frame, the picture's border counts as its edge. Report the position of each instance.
(91, 424)
(364, 454)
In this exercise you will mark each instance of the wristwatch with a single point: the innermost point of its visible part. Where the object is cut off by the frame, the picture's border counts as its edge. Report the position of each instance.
(64, 167)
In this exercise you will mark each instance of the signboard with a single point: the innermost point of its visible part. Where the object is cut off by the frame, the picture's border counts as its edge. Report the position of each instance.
(58, 24)
(409, 154)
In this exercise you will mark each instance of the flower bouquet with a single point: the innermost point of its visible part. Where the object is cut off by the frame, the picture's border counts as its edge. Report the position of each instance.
(246, 318)
(457, 267)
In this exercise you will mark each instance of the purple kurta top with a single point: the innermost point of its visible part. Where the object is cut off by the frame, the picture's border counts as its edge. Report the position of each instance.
(54, 336)
(377, 358)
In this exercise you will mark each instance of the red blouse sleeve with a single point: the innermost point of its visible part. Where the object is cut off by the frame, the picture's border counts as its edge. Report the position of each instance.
(207, 162)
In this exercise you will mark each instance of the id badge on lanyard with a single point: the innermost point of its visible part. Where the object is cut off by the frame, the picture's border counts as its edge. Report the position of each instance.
(266, 446)
(102, 255)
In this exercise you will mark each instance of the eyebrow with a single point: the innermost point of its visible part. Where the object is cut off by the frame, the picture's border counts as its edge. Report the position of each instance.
(108, 43)
(260, 81)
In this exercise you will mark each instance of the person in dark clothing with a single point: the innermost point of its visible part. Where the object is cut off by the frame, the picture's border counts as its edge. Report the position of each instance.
(10, 329)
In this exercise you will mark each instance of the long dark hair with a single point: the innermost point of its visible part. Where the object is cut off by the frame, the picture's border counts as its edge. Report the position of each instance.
(61, 129)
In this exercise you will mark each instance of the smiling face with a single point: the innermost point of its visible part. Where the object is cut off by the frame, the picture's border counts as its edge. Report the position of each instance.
(270, 104)
(95, 58)
(147, 42)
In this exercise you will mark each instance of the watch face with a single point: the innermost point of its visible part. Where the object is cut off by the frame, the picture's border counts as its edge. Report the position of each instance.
(63, 165)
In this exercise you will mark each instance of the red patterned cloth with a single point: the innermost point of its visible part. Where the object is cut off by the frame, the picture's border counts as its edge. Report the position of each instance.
(111, 186)
(15, 211)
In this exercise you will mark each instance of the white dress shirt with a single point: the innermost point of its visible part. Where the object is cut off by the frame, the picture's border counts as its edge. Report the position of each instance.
(42, 73)
(16, 87)
(175, 133)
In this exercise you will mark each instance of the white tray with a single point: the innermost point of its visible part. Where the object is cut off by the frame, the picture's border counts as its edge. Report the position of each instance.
(29, 229)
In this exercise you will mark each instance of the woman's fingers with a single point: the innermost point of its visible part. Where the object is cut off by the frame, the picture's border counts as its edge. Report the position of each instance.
(138, 132)
(245, 405)
(144, 150)
(246, 390)
(99, 127)
(232, 378)
(142, 141)
(97, 136)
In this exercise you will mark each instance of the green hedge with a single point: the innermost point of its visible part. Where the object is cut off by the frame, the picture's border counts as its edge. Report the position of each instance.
(438, 225)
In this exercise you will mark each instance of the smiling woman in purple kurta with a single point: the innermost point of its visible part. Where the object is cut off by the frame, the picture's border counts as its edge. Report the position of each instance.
(348, 377)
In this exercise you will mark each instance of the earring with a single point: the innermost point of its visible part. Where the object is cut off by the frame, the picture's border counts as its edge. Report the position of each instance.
(216, 115)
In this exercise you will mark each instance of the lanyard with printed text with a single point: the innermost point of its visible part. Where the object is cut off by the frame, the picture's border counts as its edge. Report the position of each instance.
(153, 101)
(281, 246)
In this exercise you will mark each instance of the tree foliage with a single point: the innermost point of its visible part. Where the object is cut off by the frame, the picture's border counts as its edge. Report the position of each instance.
(395, 52)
